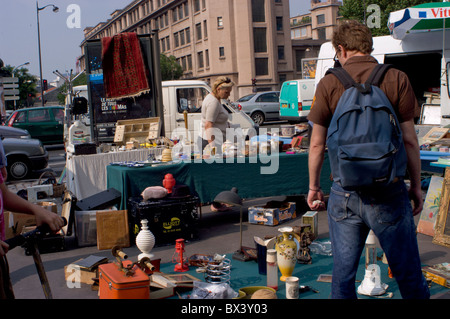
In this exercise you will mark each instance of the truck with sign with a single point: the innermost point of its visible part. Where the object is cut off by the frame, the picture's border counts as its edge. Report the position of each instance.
(167, 100)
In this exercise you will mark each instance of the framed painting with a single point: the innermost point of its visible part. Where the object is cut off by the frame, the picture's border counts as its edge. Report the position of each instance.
(442, 227)
(431, 205)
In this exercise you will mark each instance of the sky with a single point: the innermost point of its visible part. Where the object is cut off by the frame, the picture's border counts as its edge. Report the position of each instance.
(60, 35)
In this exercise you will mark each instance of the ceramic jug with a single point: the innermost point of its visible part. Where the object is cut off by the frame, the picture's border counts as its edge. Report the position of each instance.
(286, 248)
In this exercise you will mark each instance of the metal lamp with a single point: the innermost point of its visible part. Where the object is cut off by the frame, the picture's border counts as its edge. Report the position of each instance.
(55, 10)
(232, 198)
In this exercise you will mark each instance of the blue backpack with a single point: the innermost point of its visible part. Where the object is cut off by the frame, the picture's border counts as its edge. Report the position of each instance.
(365, 143)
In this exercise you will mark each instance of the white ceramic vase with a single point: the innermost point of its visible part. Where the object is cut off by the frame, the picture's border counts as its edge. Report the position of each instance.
(145, 241)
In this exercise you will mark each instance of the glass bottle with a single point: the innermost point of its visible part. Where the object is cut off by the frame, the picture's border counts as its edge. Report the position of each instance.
(371, 249)
(272, 269)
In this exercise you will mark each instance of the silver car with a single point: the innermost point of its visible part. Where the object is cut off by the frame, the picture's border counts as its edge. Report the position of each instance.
(23, 153)
(261, 107)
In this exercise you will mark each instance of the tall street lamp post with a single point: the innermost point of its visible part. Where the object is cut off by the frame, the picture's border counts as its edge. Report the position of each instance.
(55, 9)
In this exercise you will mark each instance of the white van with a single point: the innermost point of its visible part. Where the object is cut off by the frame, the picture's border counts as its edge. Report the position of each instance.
(296, 97)
(188, 95)
(419, 55)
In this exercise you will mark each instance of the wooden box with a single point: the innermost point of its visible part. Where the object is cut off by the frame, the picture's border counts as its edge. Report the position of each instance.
(137, 131)
(115, 284)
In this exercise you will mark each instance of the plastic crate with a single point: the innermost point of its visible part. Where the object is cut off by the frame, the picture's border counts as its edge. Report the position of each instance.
(168, 219)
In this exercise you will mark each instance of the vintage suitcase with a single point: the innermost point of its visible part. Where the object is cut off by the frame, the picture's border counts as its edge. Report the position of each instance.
(168, 219)
(115, 284)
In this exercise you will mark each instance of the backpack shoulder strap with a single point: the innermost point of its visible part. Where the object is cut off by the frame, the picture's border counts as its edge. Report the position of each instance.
(343, 76)
(377, 74)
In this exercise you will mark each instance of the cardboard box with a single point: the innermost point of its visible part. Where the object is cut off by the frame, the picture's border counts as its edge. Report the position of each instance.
(15, 222)
(262, 215)
(312, 218)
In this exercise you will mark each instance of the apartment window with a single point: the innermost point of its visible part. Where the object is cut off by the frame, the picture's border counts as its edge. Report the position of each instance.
(279, 23)
(221, 52)
(167, 43)
(258, 11)
(197, 5)
(207, 58)
(200, 60)
(205, 29)
(281, 52)
(182, 38)
(175, 15)
(219, 22)
(188, 35)
(176, 40)
(262, 66)
(320, 19)
(259, 39)
(198, 31)
(183, 63)
(321, 34)
(189, 62)
(186, 10)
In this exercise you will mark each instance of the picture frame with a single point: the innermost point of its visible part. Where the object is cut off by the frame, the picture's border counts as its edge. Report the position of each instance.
(442, 227)
(435, 134)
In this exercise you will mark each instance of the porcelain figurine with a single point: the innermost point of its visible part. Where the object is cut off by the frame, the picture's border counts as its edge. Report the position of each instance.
(286, 248)
(145, 241)
(169, 182)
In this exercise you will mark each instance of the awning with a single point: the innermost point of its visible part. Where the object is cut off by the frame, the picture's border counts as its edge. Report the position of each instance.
(421, 18)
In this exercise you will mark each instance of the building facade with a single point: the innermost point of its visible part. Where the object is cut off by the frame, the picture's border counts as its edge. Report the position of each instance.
(246, 40)
(309, 31)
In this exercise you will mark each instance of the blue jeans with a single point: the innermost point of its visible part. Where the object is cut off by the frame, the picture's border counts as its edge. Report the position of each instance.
(388, 212)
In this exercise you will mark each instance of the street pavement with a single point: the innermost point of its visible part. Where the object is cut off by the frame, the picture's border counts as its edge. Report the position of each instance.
(218, 233)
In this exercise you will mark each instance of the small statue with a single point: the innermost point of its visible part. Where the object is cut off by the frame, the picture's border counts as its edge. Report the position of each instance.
(303, 256)
(169, 182)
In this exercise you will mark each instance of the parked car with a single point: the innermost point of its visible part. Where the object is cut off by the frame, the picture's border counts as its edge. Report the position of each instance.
(23, 154)
(45, 123)
(7, 131)
(261, 106)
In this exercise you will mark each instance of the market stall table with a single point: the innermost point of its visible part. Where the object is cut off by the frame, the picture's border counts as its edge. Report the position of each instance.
(86, 174)
(265, 176)
(245, 274)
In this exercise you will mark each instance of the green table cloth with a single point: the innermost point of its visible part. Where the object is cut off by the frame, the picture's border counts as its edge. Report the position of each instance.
(254, 177)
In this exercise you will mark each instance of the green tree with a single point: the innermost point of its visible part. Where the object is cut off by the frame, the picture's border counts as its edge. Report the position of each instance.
(170, 68)
(357, 10)
(27, 85)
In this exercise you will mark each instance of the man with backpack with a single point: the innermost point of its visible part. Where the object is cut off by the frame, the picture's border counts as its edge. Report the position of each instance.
(365, 116)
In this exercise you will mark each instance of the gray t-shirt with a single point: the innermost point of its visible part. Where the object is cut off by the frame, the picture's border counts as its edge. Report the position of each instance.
(213, 111)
